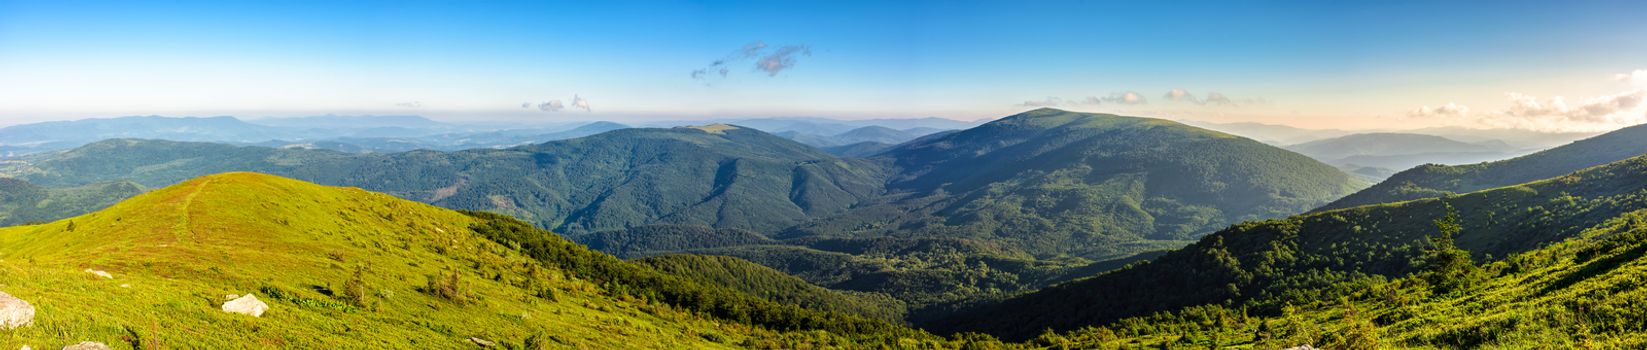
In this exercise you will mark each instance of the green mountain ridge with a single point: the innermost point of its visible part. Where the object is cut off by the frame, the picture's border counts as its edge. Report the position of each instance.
(1263, 265)
(1432, 180)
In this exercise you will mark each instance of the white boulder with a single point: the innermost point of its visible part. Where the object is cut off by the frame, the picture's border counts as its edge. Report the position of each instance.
(14, 312)
(246, 305)
(88, 345)
(100, 273)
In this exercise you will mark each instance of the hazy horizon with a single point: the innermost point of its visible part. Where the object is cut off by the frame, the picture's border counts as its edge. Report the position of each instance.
(1356, 66)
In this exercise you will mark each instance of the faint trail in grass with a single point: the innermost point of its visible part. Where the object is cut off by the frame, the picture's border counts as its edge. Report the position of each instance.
(184, 231)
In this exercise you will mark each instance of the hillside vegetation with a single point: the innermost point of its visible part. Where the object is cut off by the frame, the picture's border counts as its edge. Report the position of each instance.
(754, 279)
(1432, 180)
(1261, 266)
(344, 267)
(1584, 292)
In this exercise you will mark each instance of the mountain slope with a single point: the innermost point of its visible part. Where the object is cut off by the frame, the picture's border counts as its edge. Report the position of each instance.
(302, 248)
(1436, 180)
(1314, 257)
(1580, 293)
(1055, 182)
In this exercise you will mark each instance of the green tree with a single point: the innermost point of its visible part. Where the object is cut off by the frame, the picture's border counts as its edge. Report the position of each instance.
(1446, 267)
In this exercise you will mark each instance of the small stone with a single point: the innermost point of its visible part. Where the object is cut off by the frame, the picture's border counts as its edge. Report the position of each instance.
(126, 285)
(88, 345)
(483, 342)
(246, 305)
(15, 313)
(100, 273)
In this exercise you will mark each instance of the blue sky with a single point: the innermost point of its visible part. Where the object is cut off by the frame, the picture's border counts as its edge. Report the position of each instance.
(1376, 64)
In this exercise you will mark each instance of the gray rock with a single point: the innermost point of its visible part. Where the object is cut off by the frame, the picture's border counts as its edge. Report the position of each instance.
(246, 305)
(88, 345)
(15, 313)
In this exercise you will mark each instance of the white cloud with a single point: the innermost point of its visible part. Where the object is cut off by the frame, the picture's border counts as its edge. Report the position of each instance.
(1449, 110)
(1180, 95)
(551, 106)
(1126, 98)
(411, 104)
(1050, 101)
(579, 102)
(1637, 78)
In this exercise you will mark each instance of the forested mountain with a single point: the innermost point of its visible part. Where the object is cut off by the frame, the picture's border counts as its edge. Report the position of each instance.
(1437, 180)
(1263, 266)
(22, 202)
(754, 279)
(718, 175)
(1100, 186)
(858, 150)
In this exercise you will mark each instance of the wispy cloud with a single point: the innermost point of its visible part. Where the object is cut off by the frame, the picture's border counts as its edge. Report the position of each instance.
(1180, 95)
(410, 104)
(762, 57)
(783, 58)
(1126, 98)
(551, 106)
(1133, 98)
(1449, 110)
(1050, 101)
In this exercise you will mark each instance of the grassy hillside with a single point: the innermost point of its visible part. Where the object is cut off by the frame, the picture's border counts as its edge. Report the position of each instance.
(1580, 293)
(22, 202)
(1101, 186)
(1436, 180)
(754, 279)
(1264, 265)
(344, 267)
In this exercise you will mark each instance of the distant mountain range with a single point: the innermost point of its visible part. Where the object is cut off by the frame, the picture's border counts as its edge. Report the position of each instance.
(1439, 180)
(1282, 135)
(1375, 154)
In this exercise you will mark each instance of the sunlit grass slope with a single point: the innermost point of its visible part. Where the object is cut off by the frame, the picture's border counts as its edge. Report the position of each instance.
(178, 252)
